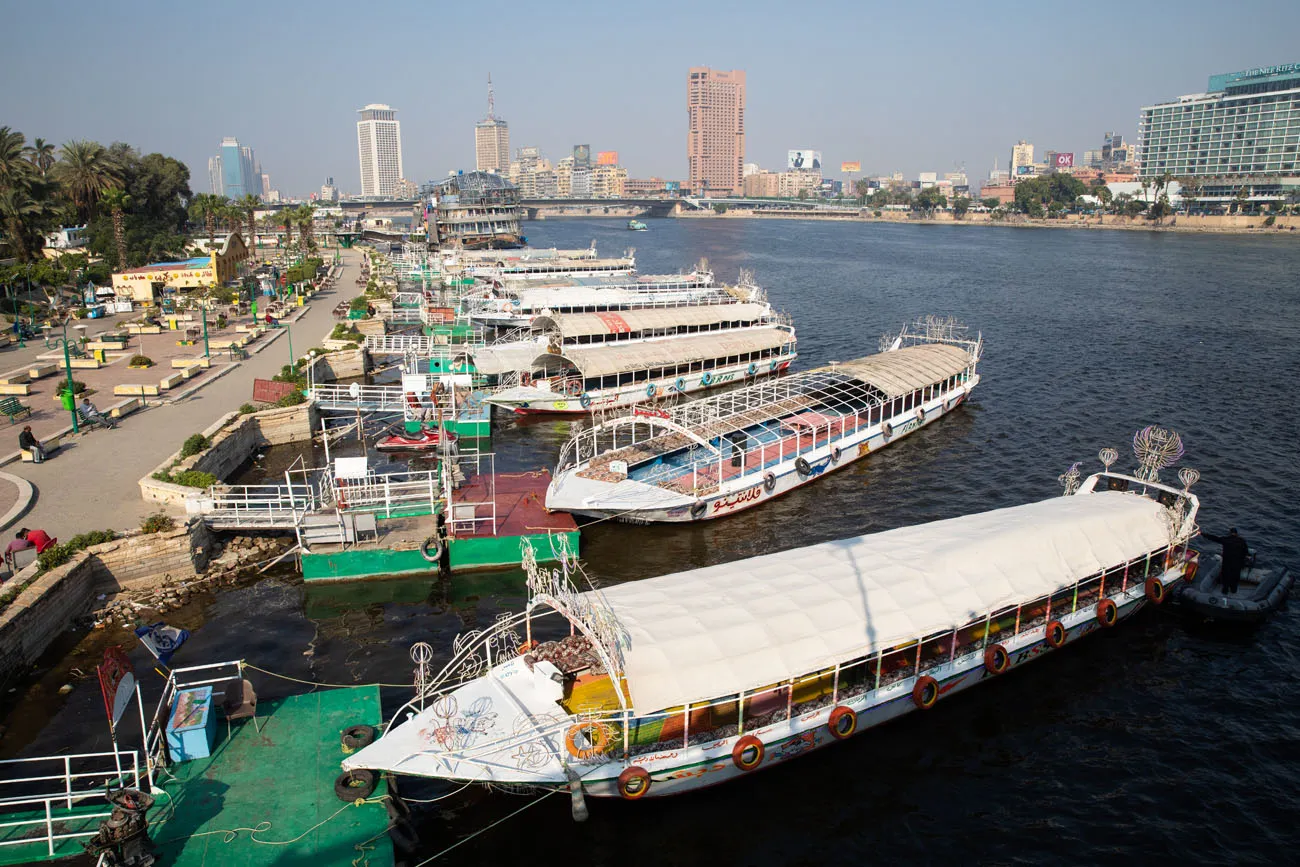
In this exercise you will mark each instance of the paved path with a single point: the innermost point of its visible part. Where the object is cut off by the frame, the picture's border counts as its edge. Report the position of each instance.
(92, 482)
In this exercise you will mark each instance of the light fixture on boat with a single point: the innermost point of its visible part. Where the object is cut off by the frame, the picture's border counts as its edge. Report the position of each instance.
(1155, 448)
(1069, 480)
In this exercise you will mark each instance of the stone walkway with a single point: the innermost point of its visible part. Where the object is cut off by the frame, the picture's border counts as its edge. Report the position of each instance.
(92, 483)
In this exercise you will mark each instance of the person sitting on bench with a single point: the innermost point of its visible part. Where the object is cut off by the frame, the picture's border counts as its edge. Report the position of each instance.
(90, 413)
(38, 539)
(27, 440)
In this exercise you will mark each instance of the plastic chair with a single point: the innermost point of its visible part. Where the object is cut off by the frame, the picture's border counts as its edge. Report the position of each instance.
(240, 702)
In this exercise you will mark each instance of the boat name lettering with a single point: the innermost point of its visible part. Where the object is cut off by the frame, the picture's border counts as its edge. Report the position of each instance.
(723, 377)
(652, 413)
(737, 498)
(661, 757)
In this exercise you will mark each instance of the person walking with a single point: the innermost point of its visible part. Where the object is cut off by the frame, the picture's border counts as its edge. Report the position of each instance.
(27, 440)
(1235, 552)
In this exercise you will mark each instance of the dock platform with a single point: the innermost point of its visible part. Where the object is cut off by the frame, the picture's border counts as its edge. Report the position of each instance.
(486, 535)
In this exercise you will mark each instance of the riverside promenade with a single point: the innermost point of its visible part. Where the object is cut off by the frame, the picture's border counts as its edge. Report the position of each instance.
(91, 483)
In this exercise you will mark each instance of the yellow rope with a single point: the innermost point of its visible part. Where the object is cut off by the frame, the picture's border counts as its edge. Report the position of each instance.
(316, 683)
(488, 828)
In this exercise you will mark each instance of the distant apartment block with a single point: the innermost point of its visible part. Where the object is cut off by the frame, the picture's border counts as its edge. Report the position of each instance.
(1022, 160)
(715, 139)
(379, 148)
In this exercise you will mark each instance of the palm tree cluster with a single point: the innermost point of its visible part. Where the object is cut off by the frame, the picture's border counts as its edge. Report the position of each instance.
(40, 191)
(238, 216)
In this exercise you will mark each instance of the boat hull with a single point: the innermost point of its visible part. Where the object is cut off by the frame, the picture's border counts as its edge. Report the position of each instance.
(756, 492)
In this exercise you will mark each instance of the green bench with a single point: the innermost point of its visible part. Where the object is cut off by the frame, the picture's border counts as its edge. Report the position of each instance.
(11, 407)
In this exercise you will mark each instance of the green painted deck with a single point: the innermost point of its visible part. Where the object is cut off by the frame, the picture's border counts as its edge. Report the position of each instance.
(364, 563)
(281, 780)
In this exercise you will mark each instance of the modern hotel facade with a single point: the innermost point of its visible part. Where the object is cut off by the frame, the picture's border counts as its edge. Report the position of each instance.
(379, 146)
(715, 141)
(1240, 135)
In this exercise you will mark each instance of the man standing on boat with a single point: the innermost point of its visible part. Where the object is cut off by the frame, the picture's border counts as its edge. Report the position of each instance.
(1235, 551)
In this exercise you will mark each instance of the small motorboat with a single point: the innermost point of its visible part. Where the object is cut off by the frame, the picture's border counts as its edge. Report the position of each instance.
(424, 441)
(1261, 592)
(636, 226)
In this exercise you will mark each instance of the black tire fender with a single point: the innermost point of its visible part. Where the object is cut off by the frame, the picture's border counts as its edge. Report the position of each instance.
(355, 785)
(769, 482)
(358, 736)
(802, 467)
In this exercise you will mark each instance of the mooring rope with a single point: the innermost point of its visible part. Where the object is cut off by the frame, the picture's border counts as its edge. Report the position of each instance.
(488, 828)
(318, 683)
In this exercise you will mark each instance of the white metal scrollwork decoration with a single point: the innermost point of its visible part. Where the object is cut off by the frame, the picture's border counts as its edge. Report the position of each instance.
(1107, 456)
(421, 654)
(1069, 480)
(1155, 449)
(1188, 476)
(588, 609)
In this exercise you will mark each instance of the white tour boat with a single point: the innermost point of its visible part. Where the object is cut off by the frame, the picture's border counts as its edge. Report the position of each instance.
(723, 454)
(670, 684)
(583, 377)
(535, 264)
(515, 304)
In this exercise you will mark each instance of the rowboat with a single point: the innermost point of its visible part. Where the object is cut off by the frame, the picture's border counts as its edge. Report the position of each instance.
(723, 454)
(671, 684)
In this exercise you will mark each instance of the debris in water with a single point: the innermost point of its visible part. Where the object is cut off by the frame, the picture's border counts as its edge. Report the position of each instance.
(65, 689)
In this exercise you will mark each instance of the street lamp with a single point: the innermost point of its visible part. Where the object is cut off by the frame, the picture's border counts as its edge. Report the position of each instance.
(51, 343)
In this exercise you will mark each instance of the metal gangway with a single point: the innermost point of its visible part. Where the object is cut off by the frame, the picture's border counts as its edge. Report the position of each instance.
(358, 398)
(254, 507)
(401, 344)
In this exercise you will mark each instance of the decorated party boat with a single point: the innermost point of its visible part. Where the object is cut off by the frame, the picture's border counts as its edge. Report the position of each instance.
(670, 684)
(722, 454)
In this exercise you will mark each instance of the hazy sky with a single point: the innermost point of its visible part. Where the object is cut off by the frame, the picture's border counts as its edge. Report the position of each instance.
(900, 86)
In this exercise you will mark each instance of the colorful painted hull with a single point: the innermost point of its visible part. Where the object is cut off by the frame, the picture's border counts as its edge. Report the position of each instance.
(602, 399)
(755, 489)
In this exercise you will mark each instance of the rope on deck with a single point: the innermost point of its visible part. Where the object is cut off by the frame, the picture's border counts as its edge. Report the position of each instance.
(488, 828)
(317, 683)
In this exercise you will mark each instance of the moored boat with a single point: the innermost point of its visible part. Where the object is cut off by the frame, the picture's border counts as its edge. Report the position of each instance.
(670, 684)
(730, 452)
(427, 439)
(1262, 590)
(636, 226)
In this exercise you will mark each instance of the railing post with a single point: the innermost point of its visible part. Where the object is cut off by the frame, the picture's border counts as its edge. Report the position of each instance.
(49, 828)
(67, 773)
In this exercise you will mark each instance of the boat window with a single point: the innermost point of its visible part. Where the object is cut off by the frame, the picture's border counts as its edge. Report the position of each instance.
(936, 650)
(1033, 614)
(1002, 624)
(898, 664)
(1113, 484)
(857, 677)
(1088, 593)
(907, 401)
(766, 706)
(1062, 602)
(970, 638)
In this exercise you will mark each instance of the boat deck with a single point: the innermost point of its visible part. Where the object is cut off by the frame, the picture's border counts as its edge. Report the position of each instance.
(520, 505)
(262, 798)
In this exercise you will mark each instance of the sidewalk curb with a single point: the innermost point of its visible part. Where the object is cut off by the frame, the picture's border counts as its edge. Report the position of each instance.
(26, 496)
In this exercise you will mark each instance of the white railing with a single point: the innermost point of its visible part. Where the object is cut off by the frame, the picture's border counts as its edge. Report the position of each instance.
(83, 776)
(463, 515)
(256, 505)
(405, 316)
(388, 492)
(370, 398)
(400, 344)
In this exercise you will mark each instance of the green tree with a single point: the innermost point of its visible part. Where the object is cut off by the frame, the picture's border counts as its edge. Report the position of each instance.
(306, 218)
(1190, 191)
(287, 216)
(85, 170)
(117, 201)
(248, 206)
(41, 155)
(990, 202)
(13, 156)
(880, 198)
(960, 205)
(863, 189)
(803, 194)
(25, 213)
(206, 208)
(929, 199)
(1241, 198)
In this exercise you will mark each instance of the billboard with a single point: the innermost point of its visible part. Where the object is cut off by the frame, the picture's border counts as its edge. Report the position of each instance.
(1065, 161)
(1024, 170)
(803, 159)
(854, 166)
(607, 158)
(582, 155)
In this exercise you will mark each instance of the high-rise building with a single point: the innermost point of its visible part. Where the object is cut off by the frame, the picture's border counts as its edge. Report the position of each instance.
(379, 146)
(1022, 160)
(492, 140)
(329, 192)
(266, 184)
(234, 172)
(1237, 141)
(715, 140)
(1116, 154)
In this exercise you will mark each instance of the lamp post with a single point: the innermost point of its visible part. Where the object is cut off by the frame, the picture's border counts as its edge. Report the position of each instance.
(206, 352)
(50, 343)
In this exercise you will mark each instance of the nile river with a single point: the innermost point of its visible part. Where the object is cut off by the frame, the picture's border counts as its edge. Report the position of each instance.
(1157, 742)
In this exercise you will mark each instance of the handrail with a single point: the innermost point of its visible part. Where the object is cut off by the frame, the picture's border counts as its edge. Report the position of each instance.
(124, 771)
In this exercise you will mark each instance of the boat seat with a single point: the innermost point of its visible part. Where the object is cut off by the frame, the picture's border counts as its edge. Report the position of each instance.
(240, 702)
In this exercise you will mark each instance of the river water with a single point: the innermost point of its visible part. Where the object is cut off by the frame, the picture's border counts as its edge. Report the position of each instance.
(1159, 741)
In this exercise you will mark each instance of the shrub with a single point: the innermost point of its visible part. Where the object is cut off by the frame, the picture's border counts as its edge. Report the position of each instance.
(194, 479)
(55, 555)
(289, 374)
(343, 331)
(222, 321)
(358, 304)
(293, 398)
(1270, 220)
(876, 213)
(77, 386)
(157, 523)
(94, 537)
(194, 444)
(246, 408)
(140, 361)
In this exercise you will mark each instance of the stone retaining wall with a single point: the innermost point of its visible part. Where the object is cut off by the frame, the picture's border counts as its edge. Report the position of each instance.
(344, 364)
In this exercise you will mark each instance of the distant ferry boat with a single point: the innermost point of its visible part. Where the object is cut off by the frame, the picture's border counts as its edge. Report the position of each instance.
(675, 683)
(636, 226)
(724, 454)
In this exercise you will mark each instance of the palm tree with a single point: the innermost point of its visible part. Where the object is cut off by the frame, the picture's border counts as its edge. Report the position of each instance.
(13, 162)
(305, 216)
(85, 171)
(1191, 191)
(247, 206)
(117, 201)
(287, 215)
(24, 213)
(205, 208)
(41, 155)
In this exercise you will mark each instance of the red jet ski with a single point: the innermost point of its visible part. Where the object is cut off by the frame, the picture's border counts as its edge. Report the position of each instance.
(424, 441)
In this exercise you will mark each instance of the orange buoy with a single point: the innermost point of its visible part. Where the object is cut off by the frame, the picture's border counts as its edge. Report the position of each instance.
(596, 735)
(748, 753)
(1055, 633)
(996, 659)
(926, 692)
(843, 722)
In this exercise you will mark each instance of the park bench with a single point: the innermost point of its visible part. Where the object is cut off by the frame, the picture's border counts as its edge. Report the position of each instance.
(49, 445)
(11, 407)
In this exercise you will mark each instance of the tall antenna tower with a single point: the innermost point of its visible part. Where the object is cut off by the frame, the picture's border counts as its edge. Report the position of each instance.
(491, 100)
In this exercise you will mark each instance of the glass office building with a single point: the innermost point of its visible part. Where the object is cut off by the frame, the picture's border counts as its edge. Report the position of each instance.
(1242, 134)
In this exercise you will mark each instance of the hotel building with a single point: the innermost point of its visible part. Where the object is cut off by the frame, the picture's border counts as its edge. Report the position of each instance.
(379, 146)
(1240, 136)
(715, 141)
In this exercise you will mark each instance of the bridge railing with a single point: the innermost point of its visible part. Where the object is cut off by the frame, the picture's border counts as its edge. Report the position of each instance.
(389, 492)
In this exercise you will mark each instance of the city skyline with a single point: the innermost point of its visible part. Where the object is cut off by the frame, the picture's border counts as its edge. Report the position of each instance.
(924, 88)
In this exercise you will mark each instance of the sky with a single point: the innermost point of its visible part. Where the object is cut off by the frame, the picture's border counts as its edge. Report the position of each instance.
(910, 87)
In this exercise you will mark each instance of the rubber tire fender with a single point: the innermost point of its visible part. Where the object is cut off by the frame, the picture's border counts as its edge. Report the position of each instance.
(431, 549)
(358, 736)
(634, 783)
(837, 716)
(1154, 590)
(926, 692)
(1107, 613)
(996, 659)
(752, 369)
(769, 482)
(744, 745)
(1055, 634)
(802, 467)
(698, 509)
(350, 786)
(585, 400)
(835, 454)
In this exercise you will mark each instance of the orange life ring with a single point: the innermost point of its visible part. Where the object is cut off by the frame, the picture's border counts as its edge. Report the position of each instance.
(633, 783)
(1056, 633)
(597, 735)
(843, 722)
(1190, 565)
(748, 753)
(996, 659)
(527, 646)
(926, 692)
(1154, 590)
(1107, 613)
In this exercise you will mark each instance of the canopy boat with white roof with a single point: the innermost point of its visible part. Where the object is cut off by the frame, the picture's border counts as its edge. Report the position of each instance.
(535, 264)
(668, 684)
(723, 454)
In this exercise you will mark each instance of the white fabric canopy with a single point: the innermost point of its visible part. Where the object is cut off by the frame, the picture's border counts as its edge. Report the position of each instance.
(711, 632)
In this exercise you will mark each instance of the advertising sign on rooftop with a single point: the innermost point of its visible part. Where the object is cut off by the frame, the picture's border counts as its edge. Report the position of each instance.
(1065, 161)
(1024, 170)
(854, 166)
(803, 159)
(607, 158)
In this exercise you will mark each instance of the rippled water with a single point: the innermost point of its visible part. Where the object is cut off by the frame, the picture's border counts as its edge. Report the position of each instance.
(1157, 742)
